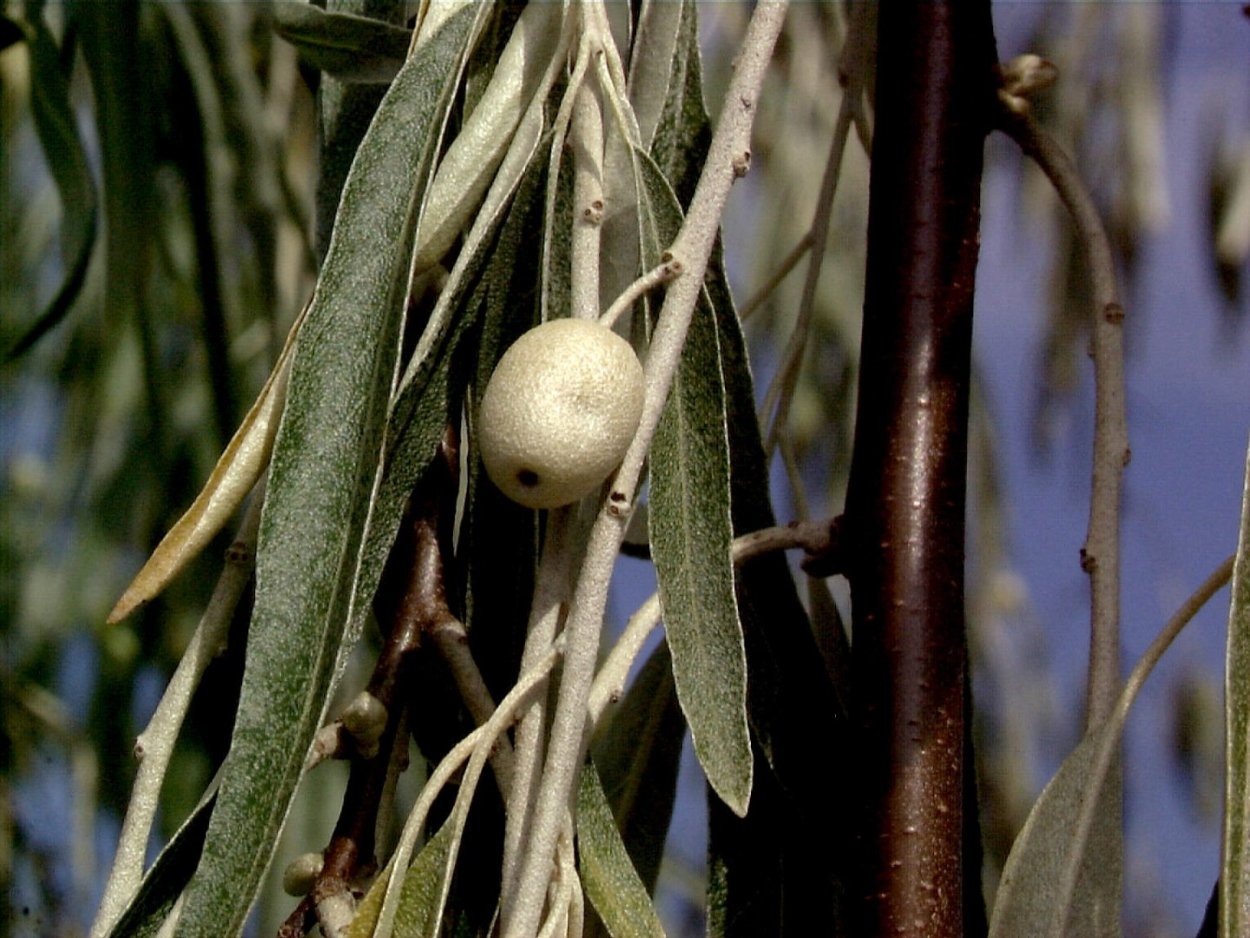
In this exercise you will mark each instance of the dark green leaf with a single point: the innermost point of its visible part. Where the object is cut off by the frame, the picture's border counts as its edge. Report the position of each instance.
(499, 538)
(351, 48)
(683, 132)
(325, 462)
(428, 398)
(791, 699)
(344, 112)
(557, 257)
(608, 876)
(54, 122)
(767, 873)
(11, 32)
(800, 792)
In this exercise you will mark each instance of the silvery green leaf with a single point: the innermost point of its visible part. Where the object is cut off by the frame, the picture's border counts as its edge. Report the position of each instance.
(351, 48)
(146, 914)
(608, 876)
(683, 130)
(1235, 861)
(325, 462)
(1055, 882)
(691, 532)
(653, 63)
(420, 895)
(637, 755)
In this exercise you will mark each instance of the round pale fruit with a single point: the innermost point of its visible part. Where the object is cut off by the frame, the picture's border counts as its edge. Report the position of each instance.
(559, 412)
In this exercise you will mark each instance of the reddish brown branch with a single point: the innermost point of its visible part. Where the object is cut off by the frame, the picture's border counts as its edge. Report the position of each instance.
(904, 525)
(412, 598)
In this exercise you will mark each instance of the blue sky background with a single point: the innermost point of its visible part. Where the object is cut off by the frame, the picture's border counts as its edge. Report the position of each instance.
(1188, 380)
(1189, 415)
(1189, 412)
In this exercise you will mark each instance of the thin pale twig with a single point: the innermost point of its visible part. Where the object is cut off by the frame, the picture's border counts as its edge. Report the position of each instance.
(788, 263)
(781, 389)
(729, 147)
(155, 745)
(1100, 557)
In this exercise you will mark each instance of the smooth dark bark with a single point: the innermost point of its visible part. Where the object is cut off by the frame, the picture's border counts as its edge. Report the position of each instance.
(906, 499)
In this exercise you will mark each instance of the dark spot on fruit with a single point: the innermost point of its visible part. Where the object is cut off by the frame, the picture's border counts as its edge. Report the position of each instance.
(528, 478)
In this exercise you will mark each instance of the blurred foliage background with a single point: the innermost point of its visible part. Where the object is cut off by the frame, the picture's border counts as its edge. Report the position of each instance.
(163, 168)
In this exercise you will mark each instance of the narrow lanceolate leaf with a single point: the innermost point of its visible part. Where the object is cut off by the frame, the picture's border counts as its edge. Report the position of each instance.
(426, 398)
(420, 895)
(498, 537)
(350, 48)
(1058, 880)
(324, 468)
(683, 130)
(612, 884)
(637, 755)
(1235, 861)
(1055, 881)
(655, 58)
(164, 882)
(691, 533)
(58, 134)
(237, 470)
(796, 800)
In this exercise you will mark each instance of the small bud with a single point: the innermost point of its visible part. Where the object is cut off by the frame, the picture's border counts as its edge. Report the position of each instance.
(301, 873)
(365, 720)
(1027, 74)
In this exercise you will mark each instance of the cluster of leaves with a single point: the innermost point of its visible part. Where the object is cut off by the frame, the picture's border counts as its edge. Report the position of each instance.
(153, 165)
(204, 143)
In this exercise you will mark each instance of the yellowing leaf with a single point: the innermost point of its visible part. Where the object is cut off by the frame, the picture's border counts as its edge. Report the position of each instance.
(244, 459)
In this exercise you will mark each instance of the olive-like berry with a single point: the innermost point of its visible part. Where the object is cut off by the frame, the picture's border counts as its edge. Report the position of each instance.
(559, 412)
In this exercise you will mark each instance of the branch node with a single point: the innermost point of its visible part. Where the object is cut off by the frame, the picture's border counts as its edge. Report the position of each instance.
(592, 214)
(1113, 313)
(618, 503)
(1023, 77)
(742, 164)
(829, 557)
(1089, 563)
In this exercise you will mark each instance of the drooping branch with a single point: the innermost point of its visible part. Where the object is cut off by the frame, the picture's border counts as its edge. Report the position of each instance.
(1100, 555)
(904, 523)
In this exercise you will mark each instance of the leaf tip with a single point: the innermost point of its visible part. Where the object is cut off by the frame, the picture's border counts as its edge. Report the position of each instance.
(130, 600)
